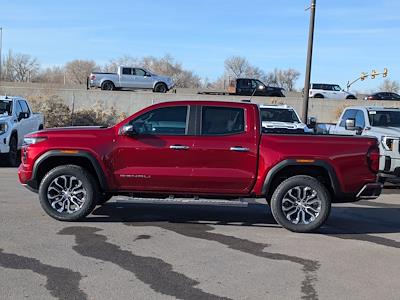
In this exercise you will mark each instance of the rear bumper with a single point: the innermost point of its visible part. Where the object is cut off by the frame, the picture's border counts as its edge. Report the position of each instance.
(370, 191)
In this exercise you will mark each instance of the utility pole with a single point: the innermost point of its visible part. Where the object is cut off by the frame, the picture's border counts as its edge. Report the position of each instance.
(1, 46)
(309, 61)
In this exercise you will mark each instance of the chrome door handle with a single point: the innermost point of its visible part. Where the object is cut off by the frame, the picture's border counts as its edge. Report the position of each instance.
(179, 147)
(239, 149)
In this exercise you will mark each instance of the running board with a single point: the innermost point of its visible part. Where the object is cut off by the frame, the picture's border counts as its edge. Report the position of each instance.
(190, 201)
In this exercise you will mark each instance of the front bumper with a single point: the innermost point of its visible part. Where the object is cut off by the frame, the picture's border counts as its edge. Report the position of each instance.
(370, 191)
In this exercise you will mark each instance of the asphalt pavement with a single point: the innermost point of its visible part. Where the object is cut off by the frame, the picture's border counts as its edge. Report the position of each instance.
(137, 250)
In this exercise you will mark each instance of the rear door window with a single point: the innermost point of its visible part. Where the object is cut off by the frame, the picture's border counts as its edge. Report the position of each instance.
(222, 120)
(127, 71)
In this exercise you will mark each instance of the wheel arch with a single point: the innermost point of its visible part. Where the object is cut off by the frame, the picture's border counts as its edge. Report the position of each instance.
(54, 158)
(319, 169)
(107, 79)
(160, 81)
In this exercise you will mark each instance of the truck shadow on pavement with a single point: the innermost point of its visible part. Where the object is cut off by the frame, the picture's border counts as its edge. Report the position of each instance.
(362, 221)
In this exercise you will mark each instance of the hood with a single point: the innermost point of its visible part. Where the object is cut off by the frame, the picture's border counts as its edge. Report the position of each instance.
(385, 131)
(78, 131)
(164, 78)
(287, 125)
(5, 118)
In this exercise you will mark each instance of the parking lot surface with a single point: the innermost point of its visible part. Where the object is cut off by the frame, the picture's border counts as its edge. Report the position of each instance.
(133, 250)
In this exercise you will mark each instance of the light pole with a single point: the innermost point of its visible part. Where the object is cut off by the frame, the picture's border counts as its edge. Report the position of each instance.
(309, 61)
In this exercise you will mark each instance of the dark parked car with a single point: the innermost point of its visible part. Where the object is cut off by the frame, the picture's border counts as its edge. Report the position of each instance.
(383, 96)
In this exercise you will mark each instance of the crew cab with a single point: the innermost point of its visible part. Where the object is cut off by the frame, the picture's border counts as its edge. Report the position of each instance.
(16, 120)
(130, 78)
(199, 149)
(381, 123)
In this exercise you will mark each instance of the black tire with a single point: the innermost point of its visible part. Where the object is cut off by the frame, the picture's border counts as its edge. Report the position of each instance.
(160, 88)
(351, 97)
(319, 96)
(102, 198)
(302, 184)
(11, 158)
(87, 183)
(107, 86)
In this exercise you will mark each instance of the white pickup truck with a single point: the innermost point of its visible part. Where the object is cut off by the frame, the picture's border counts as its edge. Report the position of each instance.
(282, 119)
(130, 78)
(16, 120)
(380, 122)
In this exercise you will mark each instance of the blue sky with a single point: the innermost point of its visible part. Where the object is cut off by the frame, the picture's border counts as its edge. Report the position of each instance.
(350, 36)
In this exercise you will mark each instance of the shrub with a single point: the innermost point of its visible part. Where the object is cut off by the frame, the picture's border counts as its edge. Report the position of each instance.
(55, 111)
(98, 115)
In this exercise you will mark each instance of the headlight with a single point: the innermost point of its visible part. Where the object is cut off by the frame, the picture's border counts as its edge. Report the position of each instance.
(388, 142)
(3, 128)
(33, 140)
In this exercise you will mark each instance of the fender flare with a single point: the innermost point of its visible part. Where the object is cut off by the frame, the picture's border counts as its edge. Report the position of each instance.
(293, 162)
(58, 153)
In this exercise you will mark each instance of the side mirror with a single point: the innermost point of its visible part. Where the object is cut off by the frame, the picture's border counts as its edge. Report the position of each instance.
(127, 130)
(350, 124)
(23, 115)
(312, 122)
(260, 87)
(147, 75)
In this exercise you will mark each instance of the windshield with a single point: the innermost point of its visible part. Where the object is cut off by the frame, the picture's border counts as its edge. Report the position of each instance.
(5, 107)
(279, 115)
(384, 118)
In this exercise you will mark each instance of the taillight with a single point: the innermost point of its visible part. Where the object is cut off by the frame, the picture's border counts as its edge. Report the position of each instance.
(370, 97)
(92, 77)
(373, 159)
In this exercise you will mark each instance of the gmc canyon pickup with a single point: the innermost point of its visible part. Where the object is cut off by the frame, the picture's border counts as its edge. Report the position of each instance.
(206, 149)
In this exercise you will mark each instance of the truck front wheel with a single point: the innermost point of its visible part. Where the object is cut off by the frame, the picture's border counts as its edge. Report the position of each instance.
(12, 156)
(160, 88)
(68, 193)
(301, 204)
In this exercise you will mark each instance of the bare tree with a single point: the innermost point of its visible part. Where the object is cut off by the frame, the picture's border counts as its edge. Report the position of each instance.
(168, 66)
(236, 66)
(289, 78)
(283, 78)
(53, 75)
(20, 67)
(388, 85)
(126, 60)
(78, 70)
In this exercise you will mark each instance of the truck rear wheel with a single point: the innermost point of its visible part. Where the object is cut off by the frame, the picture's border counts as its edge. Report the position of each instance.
(107, 86)
(301, 204)
(68, 193)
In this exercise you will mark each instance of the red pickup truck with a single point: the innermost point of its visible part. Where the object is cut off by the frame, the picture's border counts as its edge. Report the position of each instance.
(204, 149)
